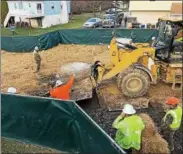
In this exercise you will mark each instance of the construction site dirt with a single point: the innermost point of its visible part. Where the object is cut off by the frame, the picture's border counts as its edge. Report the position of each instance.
(18, 71)
(107, 118)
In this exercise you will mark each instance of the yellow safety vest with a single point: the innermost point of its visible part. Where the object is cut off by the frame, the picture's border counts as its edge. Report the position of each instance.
(177, 117)
(179, 39)
(129, 131)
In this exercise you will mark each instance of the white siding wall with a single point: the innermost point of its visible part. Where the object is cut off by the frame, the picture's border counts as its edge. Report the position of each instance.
(30, 9)
(151, 5)
(149, 17)
(26, 10)
(61, 18)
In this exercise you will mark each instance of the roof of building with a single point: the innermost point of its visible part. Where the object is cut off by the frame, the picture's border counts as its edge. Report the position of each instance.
(172, 19)
(151, 5)
(176, 8)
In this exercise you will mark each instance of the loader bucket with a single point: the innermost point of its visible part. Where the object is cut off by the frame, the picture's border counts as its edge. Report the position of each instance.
(52, 123)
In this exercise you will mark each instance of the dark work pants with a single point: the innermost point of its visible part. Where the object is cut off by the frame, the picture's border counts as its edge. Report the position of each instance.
(169, 136)
(38, 63)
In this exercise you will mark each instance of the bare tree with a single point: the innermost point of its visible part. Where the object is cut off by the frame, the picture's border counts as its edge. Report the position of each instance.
(89, 6)
(95, 6)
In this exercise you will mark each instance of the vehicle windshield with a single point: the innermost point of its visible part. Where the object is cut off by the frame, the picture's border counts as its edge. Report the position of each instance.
(165, 34)
(92, 20)
(109, 17)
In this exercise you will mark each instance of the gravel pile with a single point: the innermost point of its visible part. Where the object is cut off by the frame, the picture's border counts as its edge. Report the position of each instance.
(12, 146)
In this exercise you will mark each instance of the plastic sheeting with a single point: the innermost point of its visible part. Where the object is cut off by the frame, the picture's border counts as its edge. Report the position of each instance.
(56, 124)
(73, 36)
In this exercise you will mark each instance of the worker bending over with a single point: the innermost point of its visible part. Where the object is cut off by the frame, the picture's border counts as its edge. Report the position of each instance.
(172, 120)
(178, 39)
(62, 91)
(129, 127)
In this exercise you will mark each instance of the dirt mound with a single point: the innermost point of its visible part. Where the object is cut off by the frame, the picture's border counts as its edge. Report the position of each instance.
(152, 142)
(150, 129)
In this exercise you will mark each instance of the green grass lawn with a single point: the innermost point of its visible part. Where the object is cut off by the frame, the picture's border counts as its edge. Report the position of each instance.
(77, 22)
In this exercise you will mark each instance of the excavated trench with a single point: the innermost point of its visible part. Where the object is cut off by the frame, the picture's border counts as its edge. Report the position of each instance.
(104, 118)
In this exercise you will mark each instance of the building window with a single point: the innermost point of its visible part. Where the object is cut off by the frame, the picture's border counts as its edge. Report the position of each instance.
(52, 5)
(38, 6)
(15, 5)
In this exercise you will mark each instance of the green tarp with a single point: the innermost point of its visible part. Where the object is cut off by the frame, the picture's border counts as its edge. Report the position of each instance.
(57, 124)
(19, 44)
(73, 36)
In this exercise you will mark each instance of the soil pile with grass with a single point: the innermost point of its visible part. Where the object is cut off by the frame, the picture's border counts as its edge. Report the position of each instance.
(105, 119)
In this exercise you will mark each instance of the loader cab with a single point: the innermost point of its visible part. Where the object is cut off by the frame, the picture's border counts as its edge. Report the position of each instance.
(164, 44)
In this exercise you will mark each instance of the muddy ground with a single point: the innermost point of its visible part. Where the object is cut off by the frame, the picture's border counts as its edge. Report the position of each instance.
(106, 119)
(18, 71)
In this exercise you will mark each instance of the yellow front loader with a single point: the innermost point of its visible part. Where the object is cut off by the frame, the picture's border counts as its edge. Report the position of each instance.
(136, 66)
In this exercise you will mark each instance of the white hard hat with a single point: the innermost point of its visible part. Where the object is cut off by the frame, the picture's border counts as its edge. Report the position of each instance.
(128, 109)
(58, 83)
(57, 75)
(36, 48)
(153, 38)
(12, 90)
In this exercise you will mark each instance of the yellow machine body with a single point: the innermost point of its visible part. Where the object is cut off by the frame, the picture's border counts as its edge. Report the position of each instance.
(138, 62)
(121, 59)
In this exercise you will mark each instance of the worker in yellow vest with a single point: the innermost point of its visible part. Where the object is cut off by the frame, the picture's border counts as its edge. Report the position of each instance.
(129, 127)
(178, 38)
(172, 120)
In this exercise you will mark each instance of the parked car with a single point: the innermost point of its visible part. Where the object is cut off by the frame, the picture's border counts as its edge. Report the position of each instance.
(109, 21)
(112, 11)
(93, 23)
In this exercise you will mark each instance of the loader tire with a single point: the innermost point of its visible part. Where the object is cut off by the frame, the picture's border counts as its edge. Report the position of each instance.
(133, 82)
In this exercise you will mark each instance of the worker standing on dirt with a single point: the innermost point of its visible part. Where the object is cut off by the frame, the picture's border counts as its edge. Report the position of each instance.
(37, 58)
(178, 42)
(62, 91)
(129, 127)
(178, 37)
(172, 120)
